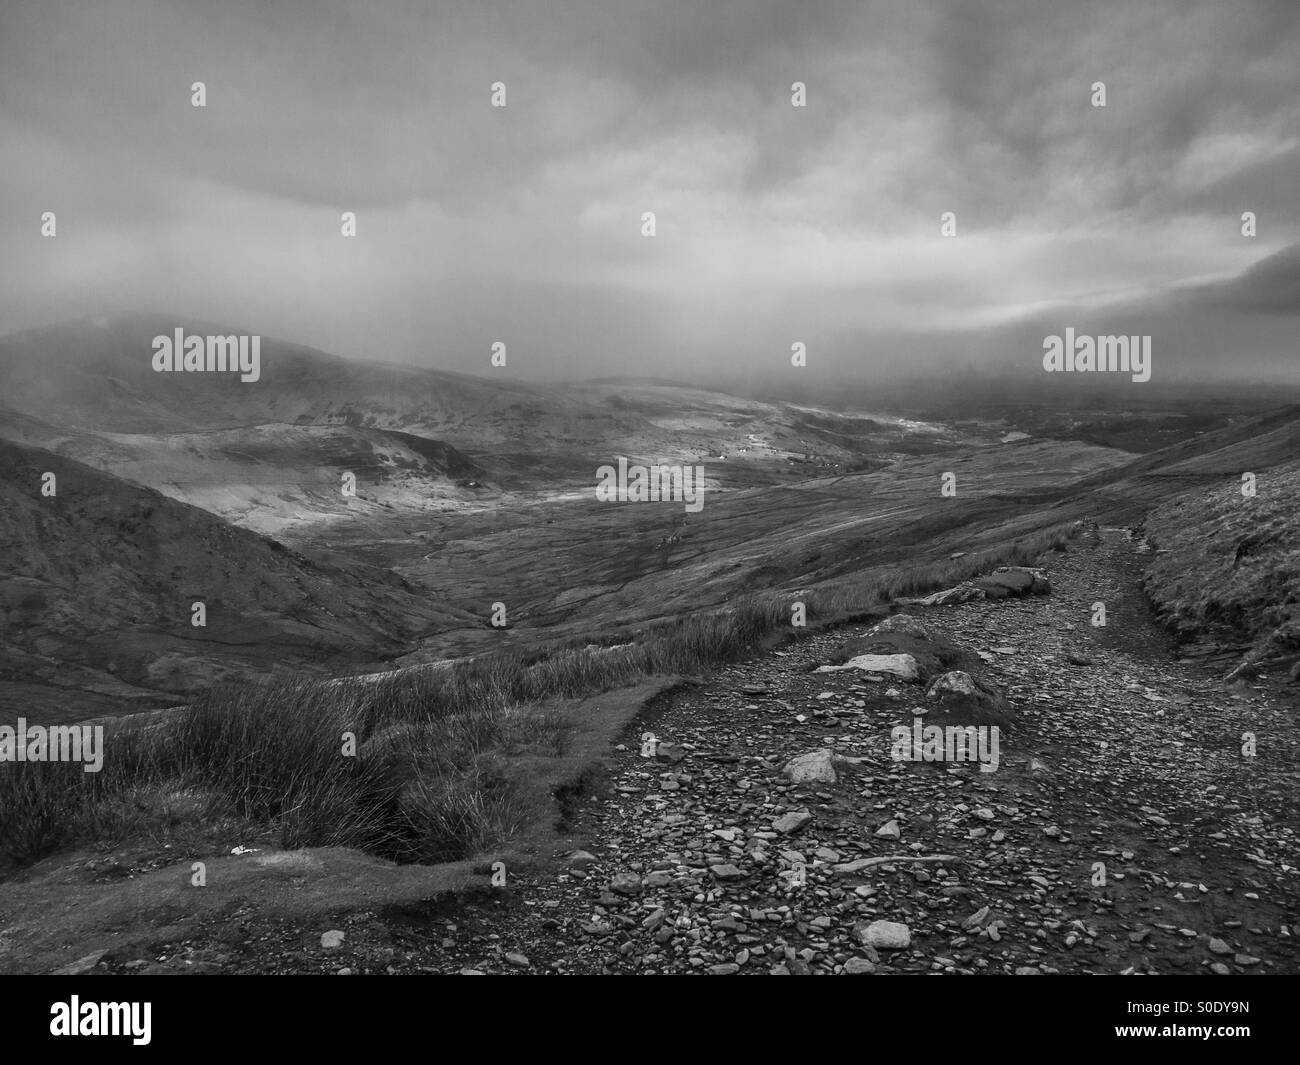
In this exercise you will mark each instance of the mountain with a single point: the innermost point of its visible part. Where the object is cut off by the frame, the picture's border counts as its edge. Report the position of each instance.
(98, 583)
(270, 454)
(276, 478)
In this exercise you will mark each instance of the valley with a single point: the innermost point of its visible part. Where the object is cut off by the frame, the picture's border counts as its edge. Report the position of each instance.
(439, 578)
(410, 484)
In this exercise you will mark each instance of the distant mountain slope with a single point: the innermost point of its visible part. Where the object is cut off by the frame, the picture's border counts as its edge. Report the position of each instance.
(273, 478)
(89, 390)
(1127, 492)
(99, 375)
(97, 378)
(1257, 442)
(97, 585)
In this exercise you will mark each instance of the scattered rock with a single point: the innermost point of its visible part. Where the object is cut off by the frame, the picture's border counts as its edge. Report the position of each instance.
(813, 767)
(792, 822)
(883, 935)
(81, 965)
(625, 884)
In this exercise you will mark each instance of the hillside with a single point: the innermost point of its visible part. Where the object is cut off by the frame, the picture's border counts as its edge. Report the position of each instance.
(274, 479)
(87, 389)
(97, 585)
(1225, 575)
(98, 376)
(1122, 832)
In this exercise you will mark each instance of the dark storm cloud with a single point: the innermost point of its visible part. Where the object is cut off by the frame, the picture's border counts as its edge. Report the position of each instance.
(1012, 78)
(1271, 285)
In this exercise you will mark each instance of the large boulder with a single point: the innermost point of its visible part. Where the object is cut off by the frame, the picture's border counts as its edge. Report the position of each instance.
(902, 666)
(898, 645)
(960, 699)
(963, 593)
(883, 935)
(1013, 581)
(793, 821)
(814, 767)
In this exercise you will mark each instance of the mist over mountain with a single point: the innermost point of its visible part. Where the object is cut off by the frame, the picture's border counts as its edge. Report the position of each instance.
(98, 374)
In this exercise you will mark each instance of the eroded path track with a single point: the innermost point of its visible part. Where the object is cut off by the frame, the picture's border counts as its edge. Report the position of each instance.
(1124, 829)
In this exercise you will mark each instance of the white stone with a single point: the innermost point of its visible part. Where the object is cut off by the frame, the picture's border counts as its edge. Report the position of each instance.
(902, 666)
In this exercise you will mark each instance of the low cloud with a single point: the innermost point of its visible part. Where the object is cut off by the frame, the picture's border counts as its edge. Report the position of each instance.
(774, 222)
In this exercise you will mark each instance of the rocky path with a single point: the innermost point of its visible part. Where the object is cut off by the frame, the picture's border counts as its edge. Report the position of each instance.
(1123, 830)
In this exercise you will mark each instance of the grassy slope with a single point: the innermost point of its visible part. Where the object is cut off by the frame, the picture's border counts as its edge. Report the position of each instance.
(1227, 566)
(278, 477)
(439, 767)
(97, 585)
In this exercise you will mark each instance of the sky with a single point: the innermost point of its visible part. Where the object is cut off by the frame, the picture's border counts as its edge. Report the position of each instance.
(774, 223)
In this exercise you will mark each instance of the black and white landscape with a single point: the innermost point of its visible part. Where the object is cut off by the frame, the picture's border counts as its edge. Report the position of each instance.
(650, 488)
